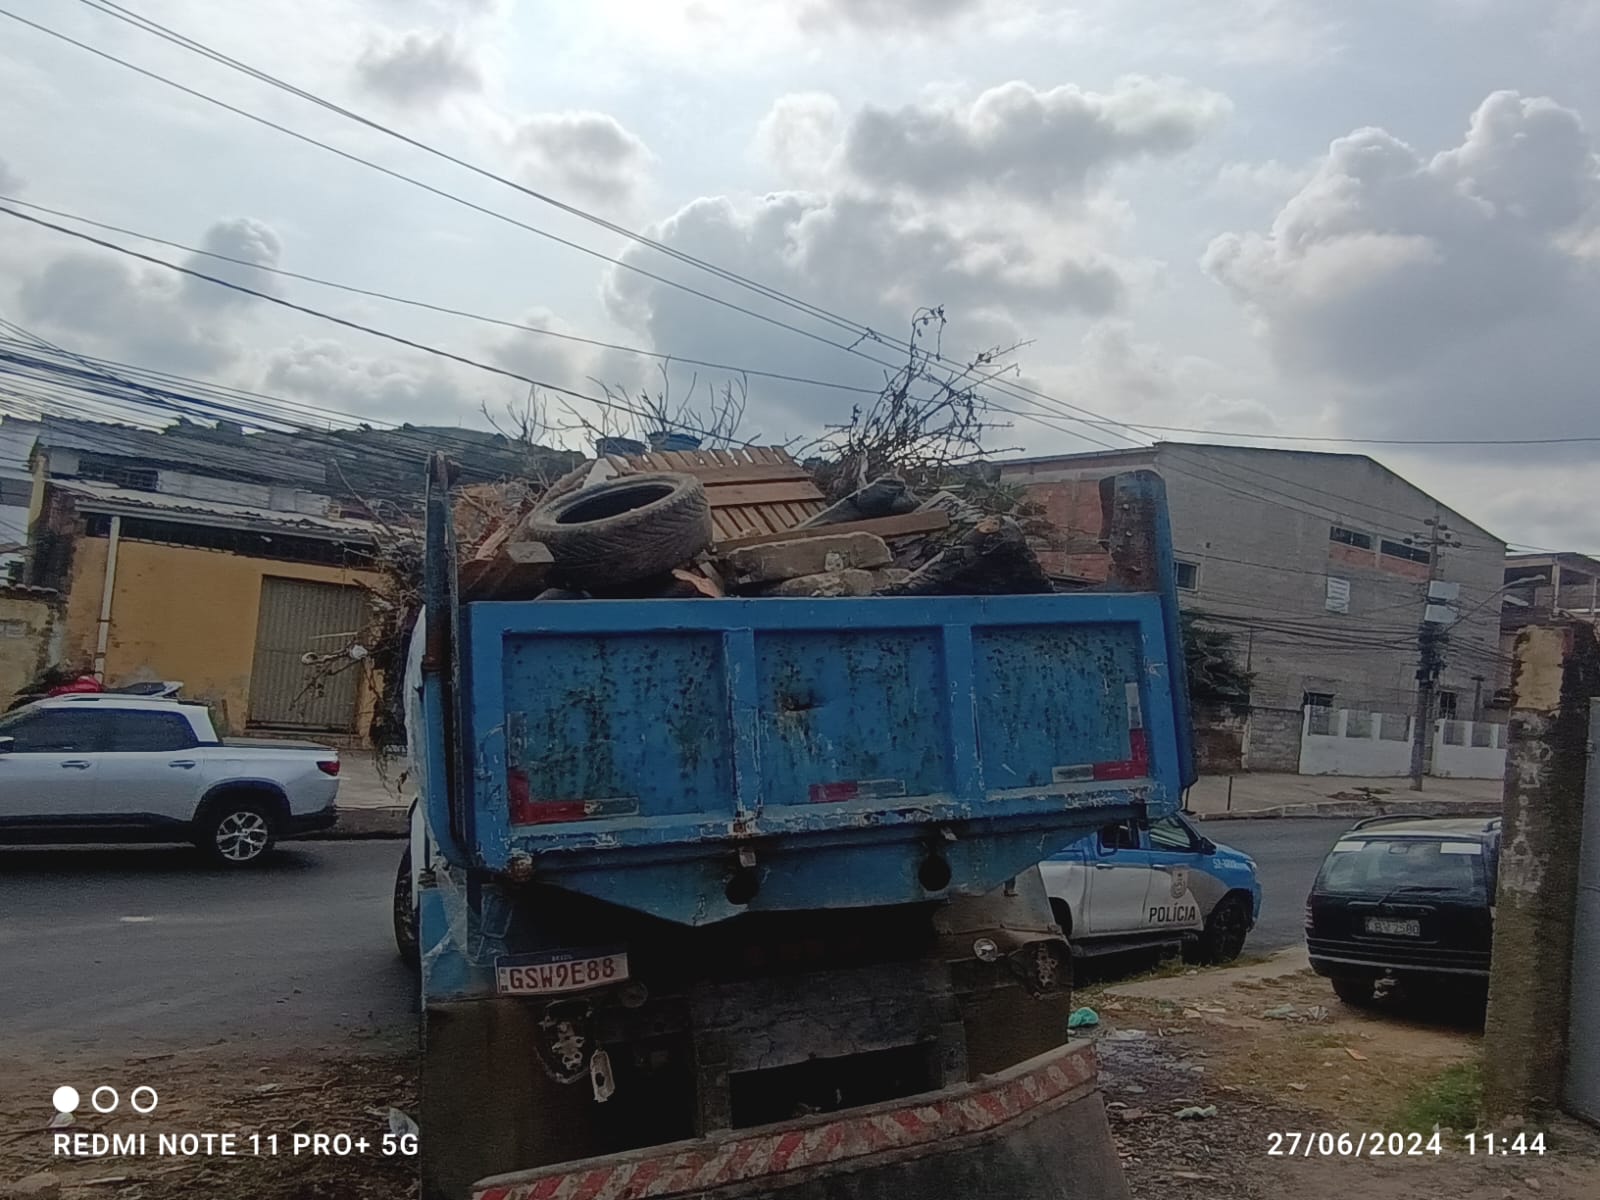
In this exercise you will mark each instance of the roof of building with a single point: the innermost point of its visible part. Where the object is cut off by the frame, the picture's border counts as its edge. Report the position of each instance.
(108, 498)
(1577, 562)
(184, 445)
(16, 445)
(1129, 453)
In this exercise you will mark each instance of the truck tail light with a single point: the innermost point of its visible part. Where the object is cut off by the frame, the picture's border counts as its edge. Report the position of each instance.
(328, 766)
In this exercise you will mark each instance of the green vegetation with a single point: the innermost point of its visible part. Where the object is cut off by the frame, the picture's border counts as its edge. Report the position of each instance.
(1451, 1099)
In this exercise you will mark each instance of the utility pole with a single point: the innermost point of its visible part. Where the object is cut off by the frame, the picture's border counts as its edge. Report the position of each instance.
(1431, 639)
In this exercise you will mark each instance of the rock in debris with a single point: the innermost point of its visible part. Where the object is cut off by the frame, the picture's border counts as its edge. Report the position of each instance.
(850, 582)
(775, 562)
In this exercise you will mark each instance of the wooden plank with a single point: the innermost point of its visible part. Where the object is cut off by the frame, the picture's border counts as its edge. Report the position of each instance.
(726, 495)
(753, 473)
(897, 526)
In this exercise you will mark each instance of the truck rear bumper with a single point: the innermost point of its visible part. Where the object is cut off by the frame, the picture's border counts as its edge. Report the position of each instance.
(1035, 1132)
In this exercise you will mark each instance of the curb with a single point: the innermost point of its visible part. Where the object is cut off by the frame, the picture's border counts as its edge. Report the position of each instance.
(1349, 810)
(356, 823)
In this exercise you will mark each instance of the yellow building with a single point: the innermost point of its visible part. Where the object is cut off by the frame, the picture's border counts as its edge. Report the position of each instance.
(29, 635)
(229, 598)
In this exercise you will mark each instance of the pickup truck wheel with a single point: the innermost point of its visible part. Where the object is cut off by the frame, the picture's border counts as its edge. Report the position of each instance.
(1225, 931)
(238, 833)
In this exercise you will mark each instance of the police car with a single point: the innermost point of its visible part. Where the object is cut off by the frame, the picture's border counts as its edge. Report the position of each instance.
(1162, 884)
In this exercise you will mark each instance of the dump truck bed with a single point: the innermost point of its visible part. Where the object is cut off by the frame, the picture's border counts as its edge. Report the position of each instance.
(695, 759)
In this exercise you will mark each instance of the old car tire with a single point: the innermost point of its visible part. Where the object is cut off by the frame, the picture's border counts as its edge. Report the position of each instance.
(624, 529)
(1353, 990)
(237, 833)
(407, 938)
(1225, 931)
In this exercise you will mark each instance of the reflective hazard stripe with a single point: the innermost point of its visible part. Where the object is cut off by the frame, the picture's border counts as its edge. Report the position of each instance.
(975, 1108)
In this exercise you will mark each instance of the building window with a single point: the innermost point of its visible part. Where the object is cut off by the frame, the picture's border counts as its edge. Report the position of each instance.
(1447, 705)
(1316, 699)
(1349, 537)
(103, 469)
(1188, 575)
(1415, 554)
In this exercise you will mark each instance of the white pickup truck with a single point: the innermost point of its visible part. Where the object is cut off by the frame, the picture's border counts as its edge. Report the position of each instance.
(112, 768)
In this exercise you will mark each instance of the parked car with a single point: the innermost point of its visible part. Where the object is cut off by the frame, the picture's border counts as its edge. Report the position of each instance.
(1165, 884)
(117, 768)
(1408, 901)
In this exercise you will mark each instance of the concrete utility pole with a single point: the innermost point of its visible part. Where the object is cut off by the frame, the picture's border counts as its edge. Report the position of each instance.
(1430, 642)
(1557, 672)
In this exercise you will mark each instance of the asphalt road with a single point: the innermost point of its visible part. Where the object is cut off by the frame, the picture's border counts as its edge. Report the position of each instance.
(1287, 855)
(137, 950)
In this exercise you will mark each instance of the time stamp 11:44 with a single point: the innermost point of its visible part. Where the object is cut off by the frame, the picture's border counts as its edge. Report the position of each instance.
(1373, 1144)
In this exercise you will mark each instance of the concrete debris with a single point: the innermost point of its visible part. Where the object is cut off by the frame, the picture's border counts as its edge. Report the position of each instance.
(513, 541)
(779, 561)
(1196, 1112)
(850, 582)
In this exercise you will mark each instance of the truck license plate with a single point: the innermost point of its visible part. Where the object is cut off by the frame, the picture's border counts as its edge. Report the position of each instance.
(1393, 927)
(551, 974)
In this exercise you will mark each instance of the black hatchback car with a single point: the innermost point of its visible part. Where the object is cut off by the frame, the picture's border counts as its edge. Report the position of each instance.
(1409, 900)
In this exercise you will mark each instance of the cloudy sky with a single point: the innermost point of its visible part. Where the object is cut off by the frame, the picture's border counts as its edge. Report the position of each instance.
(1356, 219)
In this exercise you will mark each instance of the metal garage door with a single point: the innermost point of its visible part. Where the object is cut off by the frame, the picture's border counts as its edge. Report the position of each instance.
(299, 617)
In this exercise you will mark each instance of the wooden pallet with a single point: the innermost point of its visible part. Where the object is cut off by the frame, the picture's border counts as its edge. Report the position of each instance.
(754, 491)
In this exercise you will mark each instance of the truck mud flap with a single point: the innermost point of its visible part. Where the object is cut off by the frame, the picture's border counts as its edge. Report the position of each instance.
(1035, 1132)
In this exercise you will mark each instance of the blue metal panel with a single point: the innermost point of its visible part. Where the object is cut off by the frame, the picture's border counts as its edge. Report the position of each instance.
(1053, 696)
(717, 718)
(635, 717)
(846, 705)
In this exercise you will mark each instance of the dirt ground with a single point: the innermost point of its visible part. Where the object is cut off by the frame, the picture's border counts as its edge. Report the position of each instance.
(215, 1090)
(1318, 1066)
(1166, 1044)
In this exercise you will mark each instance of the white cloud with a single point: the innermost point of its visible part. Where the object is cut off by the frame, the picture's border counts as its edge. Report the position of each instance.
(1437, 295)
(547, 359)
(905, 16)
(800, 136)
(414, 388)
(868, 258)
(242, 238)
(10, 181)
(152, 317)
(1254, 181)
(1042, 146)
(589, 152)
(419, 67)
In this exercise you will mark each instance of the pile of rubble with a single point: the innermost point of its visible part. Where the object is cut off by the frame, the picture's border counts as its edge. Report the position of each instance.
(712, 525)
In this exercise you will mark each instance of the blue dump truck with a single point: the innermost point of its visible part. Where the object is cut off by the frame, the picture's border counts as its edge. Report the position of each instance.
(739, 897)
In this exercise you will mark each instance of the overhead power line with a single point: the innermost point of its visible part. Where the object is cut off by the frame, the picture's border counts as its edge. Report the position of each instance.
(1355, 441)
(860, 332)
(444, 309)
(1063, 409)
(409, 343)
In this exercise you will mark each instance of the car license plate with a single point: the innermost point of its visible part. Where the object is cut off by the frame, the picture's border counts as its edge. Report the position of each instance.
(1394, 928)
(552, 974)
